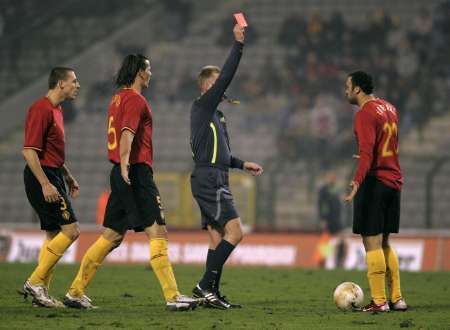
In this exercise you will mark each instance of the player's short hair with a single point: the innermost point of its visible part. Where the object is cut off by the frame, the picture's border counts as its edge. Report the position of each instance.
(131, 65)
(57, 74)
(362, 80)
(206, 72)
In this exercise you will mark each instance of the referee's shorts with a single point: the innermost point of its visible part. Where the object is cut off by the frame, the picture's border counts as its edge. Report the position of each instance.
(210, 188)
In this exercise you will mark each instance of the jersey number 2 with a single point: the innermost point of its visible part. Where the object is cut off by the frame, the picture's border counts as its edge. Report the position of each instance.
(112, 131)
(391, 131)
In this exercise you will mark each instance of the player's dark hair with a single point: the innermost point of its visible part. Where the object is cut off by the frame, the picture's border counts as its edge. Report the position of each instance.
(206, 72)
(56, 74)
(362, 80)
(130, 67)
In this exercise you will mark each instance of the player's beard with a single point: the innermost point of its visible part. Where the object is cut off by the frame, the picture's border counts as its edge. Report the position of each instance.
(352, 100)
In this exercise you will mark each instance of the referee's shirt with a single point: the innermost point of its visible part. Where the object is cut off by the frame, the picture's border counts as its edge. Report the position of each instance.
(209, 138)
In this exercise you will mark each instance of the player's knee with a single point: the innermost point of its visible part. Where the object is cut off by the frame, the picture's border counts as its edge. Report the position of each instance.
(156, 231)
(72, 233)
(116, 241)
(114, 237)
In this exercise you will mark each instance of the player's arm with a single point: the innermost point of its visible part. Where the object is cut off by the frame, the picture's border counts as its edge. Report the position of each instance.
(126, 140)
(211, 99)
(51, 194)
(36, 124)
(74, 187)
(131, 119)
(365, 129)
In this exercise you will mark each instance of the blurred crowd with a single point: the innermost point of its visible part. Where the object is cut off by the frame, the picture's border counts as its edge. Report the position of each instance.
(408, 63)
(406, 60)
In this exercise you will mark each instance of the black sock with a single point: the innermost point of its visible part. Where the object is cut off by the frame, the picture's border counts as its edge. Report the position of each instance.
(209, 260)
(217, 280)
(208, 276)
(215, 264)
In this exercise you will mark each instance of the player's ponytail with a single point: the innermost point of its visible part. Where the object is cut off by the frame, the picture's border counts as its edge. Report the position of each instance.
(130, 67)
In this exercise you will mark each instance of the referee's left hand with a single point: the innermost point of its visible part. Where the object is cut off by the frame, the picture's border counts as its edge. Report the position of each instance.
(253, 168)
(352, 193)
(74, 187)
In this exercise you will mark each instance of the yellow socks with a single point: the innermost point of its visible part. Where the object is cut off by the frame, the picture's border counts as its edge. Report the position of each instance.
(392, 273)
(160, 263)
(376, 273)
(92, 259)
(49, 257)
(51, 271)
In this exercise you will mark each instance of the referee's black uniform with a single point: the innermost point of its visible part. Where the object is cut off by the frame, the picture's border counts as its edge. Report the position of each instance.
(211, 149)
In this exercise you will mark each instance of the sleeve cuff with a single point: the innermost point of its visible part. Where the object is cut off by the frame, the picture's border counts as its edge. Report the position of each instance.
(34, 148)
(236, 163)
(128, 129)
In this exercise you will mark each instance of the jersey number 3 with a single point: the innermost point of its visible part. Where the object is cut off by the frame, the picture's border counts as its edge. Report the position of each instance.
(112, 131)
(391, 131)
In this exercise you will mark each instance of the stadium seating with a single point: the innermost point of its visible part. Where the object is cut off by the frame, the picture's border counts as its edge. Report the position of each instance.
(254, 131)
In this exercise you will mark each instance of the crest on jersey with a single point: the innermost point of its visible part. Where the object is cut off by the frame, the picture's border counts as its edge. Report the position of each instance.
(65, 215)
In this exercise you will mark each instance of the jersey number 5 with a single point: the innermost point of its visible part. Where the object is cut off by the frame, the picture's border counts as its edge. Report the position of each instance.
(391, 131)
(112, 131)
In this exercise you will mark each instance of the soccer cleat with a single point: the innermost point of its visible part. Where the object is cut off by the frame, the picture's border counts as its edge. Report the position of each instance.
(211, 299)
(36, 303)
(399, 305)
(374, 308)
(58, 304)
(182, 303)
(83, 302)
(39, 294)
(224, 298)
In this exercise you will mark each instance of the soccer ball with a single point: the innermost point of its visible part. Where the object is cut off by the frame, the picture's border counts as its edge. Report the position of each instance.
(348, 295)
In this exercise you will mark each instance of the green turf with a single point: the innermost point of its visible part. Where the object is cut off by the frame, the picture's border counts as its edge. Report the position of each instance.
(130, 298)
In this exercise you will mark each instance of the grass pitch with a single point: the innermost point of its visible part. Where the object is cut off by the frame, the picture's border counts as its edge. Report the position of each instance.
(130, 298)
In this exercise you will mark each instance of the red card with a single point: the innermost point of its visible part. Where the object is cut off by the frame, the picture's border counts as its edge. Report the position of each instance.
(240, 19)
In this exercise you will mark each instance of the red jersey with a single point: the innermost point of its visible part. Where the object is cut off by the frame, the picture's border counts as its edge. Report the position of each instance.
(377, 135)
(129, 110)
(44, 132)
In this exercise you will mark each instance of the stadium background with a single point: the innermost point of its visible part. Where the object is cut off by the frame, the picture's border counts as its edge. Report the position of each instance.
(293, 117)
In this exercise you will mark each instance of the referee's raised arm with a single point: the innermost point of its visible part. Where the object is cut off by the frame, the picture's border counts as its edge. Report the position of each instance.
(212, 95)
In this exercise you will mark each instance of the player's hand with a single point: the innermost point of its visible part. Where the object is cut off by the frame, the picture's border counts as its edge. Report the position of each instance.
(51, 194)
(253, 168)
(355, 157)
(74, 187)
(351, 195)
(238, 32)
(124, 170)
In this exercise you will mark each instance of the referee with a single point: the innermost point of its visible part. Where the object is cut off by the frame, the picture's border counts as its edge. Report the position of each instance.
(212, 155)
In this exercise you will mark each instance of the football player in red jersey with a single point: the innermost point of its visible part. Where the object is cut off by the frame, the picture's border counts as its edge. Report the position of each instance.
(376, 190)
(134, 202)
(45, 178)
